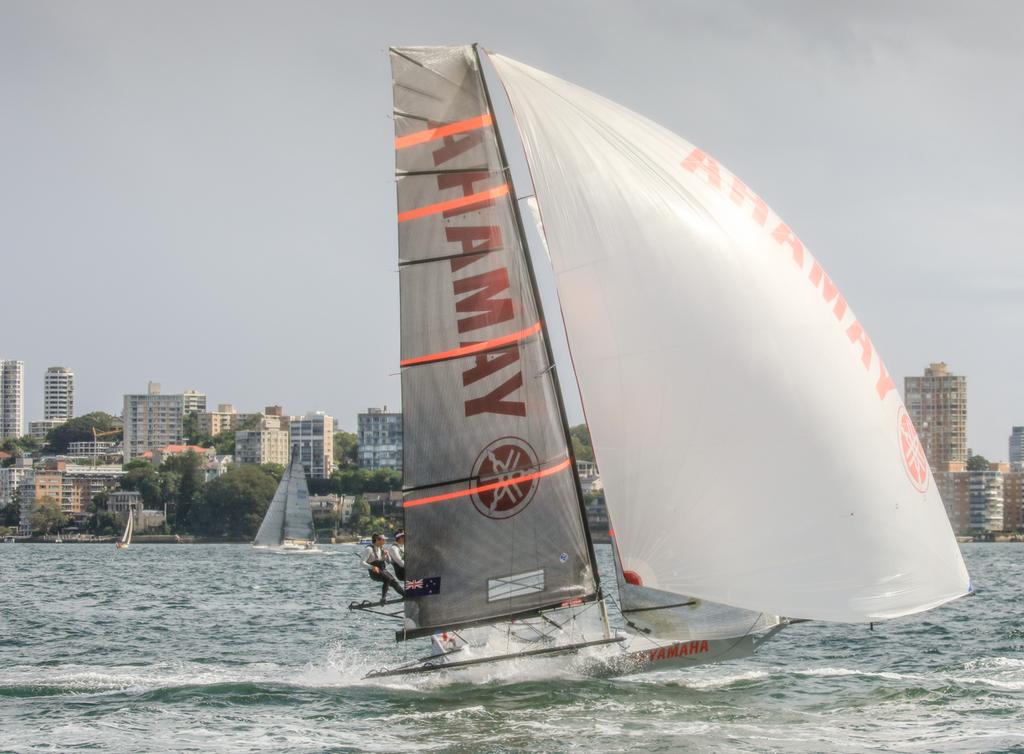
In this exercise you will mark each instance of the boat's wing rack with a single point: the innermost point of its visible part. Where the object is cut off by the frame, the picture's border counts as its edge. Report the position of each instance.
(375, 607)
(439, 662)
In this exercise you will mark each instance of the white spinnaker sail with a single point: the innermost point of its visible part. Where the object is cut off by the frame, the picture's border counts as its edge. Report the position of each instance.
(753, 448)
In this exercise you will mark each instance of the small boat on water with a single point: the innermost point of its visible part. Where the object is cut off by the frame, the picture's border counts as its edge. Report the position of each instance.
(126, 537)
(287, 526)
(758, 463)
(58, 540)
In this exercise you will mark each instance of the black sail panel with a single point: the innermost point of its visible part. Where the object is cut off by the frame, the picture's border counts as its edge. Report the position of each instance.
(493, 518)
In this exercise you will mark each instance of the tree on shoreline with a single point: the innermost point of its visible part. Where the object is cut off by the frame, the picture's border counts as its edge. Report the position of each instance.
(80, 429)
(232, 505)
(47, 515)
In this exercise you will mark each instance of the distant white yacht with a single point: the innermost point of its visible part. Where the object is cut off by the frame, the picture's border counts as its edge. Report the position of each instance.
(288, 524)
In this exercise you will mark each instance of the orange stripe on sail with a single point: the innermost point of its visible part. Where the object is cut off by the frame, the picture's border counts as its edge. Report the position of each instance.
(488, 487)
(431, 134)
(486, 345)
(462, 201)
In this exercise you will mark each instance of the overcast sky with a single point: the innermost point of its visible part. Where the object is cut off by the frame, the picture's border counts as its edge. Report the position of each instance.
(201, 193)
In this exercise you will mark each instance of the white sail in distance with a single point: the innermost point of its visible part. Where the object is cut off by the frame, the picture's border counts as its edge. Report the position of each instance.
(753, 447)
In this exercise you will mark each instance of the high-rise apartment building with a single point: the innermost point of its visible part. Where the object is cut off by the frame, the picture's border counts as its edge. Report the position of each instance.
(151, 421)
(379, 434)
(1013, 501)
(954, 485)
(58, 394)
(1017, 449)
(937, 404)
(39, 430)
(12, 399)
(312, 436)
(225, 419)
(193, 401)
(986, 492)
(268, 443)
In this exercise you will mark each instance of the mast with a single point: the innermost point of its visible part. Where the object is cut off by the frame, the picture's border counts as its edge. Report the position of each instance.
(531, 274)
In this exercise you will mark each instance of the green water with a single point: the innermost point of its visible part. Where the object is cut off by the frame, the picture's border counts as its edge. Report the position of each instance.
(218, 648)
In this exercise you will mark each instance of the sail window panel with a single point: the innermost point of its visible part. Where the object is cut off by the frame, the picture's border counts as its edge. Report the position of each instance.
(436, 82)
(455, 411)
(466, 301)
(542, 548)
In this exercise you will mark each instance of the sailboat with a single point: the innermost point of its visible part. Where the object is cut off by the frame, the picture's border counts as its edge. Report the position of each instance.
(287, 526)
(759, 466)
(126, 537)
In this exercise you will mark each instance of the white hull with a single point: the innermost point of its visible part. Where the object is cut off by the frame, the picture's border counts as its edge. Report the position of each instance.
(289, 549)
(639, 654)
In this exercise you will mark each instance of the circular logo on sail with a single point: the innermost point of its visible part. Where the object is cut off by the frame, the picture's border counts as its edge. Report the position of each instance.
(914, 460)
(498, 469)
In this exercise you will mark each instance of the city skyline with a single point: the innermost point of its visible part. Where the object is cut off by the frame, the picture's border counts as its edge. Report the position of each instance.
(167, 166)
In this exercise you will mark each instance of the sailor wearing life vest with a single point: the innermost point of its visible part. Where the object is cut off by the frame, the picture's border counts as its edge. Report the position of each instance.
(396, 553)
(376, 558)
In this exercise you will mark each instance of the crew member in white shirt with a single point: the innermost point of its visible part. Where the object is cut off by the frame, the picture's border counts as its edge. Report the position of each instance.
(396, 553)
(376, 558)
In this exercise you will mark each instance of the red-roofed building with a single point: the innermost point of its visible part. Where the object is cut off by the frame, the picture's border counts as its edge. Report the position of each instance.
(160, 455)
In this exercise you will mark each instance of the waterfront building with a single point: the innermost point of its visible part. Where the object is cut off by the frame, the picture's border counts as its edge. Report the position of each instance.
(590, 479)
(379, 434)
(193, 402)
(159, 455)
(124, 503)
(151, 421)
(986, 491)
(12, 399)
(279, 413)
(937, 404)
(26, 496)
(225, 419)
(268, 443)
(58, 393)
(597, 519)
(953, 483)
(216, 465)
(39, 430)
(313, 436)
(331, 508)
(11, 478)
(1013, 501)
(71, 485)
(93, 449)
(1017, 449)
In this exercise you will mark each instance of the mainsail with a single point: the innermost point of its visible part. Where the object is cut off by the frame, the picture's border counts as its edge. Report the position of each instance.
(129, 528)
(288, 516)
(752, 444)
(493, 512)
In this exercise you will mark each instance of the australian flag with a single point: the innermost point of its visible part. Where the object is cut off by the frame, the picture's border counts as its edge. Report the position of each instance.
(423, 587)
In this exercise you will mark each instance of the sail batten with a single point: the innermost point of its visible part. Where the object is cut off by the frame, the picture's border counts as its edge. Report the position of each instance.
(753, 449)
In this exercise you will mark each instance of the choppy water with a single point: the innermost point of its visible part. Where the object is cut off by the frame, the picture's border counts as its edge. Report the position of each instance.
(218, 648)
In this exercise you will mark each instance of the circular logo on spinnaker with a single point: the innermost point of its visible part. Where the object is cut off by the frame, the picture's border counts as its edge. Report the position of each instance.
(504, 478)
(914, 460)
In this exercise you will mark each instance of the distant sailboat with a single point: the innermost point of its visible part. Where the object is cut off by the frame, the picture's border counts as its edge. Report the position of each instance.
(288, 524)
(756, 458)
(129, 528)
